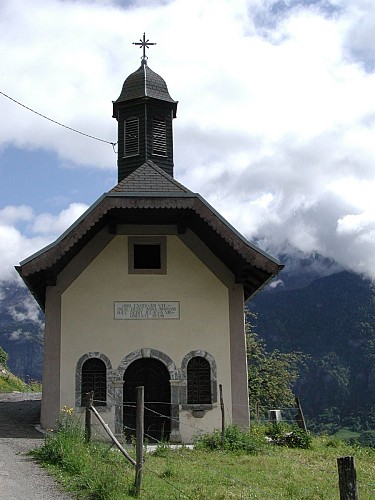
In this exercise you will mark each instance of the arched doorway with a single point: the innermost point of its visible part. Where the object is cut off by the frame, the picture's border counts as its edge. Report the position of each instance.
(154, 376)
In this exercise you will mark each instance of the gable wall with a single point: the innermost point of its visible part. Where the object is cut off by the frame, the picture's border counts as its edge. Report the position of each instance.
(88, 324)
(87, 313)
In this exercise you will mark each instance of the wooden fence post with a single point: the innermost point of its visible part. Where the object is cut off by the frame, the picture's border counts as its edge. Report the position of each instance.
(139, 439)
(222, 415)
(300, 418)
(347, 478)
(89, 403)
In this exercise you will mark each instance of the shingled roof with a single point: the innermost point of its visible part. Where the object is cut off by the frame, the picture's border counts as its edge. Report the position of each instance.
(150, 196)
(144, 83)
(149, 178)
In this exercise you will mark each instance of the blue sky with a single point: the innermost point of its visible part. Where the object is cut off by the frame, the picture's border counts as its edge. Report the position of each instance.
(27, 172)
(275, 124)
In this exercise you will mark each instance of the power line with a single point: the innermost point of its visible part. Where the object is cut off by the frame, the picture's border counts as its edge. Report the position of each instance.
(113, 144)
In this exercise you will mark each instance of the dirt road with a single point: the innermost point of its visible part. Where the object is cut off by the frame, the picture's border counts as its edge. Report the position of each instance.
(20, 476)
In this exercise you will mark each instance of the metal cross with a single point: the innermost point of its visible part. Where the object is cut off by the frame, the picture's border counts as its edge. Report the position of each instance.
(145, 44)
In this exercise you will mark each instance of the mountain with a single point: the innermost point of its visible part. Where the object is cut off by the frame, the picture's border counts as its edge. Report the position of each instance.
(332, 320)
(21, 331)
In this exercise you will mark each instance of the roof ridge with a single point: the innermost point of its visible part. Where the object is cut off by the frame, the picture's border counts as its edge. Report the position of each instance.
(149, 177)
(167, 176)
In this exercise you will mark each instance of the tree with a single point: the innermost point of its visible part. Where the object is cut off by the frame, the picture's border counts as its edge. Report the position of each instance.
(3, 357)
(271, 375)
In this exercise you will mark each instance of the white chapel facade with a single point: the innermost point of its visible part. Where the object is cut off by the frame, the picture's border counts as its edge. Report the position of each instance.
(147, 288)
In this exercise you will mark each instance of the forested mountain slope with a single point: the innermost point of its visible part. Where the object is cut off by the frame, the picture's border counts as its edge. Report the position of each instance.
(333, 321)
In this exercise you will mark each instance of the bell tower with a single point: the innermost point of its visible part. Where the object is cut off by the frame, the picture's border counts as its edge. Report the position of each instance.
(144, 112)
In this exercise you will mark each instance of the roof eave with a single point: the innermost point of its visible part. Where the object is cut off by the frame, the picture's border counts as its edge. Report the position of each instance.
(243, 255)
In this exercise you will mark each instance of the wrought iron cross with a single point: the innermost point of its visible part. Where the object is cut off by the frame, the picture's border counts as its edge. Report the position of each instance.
(146, 45)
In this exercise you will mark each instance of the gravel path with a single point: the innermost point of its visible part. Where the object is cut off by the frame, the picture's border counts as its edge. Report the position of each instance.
(20, 476)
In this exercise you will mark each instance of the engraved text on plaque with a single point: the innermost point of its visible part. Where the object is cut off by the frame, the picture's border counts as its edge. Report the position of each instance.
(147, 310)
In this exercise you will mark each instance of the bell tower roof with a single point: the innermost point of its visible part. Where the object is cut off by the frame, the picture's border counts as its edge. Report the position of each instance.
(144, 83)
(144, 112)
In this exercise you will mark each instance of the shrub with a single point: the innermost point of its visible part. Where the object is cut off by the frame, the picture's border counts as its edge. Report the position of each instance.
(3, 357)
(34, 386)
(292, 437)
(91, 469)
(235, 440)
(334, 442)
(367, 438)
(66, 447)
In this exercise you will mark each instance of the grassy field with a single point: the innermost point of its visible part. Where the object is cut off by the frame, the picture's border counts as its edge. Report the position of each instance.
(270, 472)
(278, 473)
(345, 433)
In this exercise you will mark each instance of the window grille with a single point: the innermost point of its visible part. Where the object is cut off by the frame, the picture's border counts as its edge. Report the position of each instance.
(159, 137)
(198, 381)
(131, 131)
(94, 378)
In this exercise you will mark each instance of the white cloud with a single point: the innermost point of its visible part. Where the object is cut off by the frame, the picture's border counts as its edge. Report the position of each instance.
(276, 118)
(12, 214)
(27, 311)
(16, 245)
(50, 224)
(22, 335)
(357, 224)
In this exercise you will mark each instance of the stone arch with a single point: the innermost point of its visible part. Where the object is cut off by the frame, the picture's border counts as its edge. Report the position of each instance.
(175, 378)
(149, 353)
(80, 362)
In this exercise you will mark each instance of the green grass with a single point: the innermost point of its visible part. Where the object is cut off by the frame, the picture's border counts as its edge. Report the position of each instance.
(11, 383)
(97, 471)
(345, 433)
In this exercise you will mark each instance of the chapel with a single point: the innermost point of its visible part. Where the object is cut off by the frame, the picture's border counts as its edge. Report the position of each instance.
(147, 288)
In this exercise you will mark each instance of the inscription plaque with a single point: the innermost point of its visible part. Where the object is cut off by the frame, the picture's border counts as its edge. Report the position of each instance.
(147, 310)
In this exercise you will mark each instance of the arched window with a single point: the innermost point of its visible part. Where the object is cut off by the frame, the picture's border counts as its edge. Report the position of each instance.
(198, 381)
(94, 378)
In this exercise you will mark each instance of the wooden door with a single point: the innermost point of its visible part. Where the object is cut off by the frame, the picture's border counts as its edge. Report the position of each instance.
(154, 376)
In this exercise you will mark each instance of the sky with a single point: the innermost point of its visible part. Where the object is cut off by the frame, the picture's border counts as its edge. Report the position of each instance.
(275, 123)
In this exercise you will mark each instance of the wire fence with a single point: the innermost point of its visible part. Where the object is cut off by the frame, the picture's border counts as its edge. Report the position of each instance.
(216, 472)
(289, 416)
(160, 442)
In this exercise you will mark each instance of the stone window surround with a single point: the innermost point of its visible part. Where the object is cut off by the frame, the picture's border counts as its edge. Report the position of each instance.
(78, 379)
(211, 361)
(178, 381)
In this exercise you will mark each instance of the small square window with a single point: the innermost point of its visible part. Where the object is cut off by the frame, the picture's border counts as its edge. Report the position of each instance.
(147, 255)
